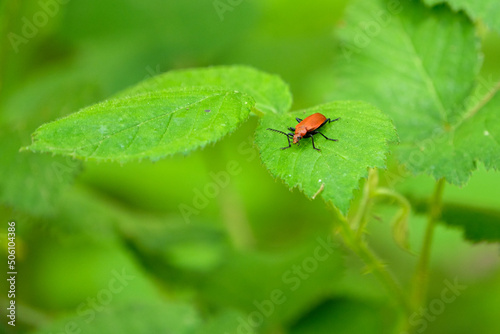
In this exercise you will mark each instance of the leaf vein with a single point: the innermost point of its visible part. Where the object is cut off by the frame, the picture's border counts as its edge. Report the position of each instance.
(170, 112)
(423, 71)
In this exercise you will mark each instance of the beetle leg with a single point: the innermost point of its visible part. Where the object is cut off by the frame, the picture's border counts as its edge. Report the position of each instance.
(291, 129)
(288, 135)
(289, 144)
(328, 121)
(298, 120)
(312, 140)
(317, 132)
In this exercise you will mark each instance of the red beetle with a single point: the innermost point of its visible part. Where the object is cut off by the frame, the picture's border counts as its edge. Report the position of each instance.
(306, 128)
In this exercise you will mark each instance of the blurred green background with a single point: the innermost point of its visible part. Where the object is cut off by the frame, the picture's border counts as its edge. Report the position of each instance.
(119, 227)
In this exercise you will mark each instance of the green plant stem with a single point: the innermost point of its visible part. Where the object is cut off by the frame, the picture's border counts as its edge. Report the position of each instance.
(422, 273)
(361, 249)
(361, 217)
(235, 219)
(400, 220)
(232, 210)
(257, 112)
(390, 193)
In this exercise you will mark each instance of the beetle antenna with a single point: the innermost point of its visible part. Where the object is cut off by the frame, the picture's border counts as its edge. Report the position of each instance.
(286, 134)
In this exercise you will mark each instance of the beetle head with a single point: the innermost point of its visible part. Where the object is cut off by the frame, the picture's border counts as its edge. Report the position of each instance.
(296, 138)
(299, 134)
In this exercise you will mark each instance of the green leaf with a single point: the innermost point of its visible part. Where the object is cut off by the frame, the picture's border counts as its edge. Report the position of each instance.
(32, 183)
(486, 10)
(177, 245)
(420, 65)
(139, 317)
(347, 316)
(150, 125)
(150, 316)
(270, 93)
(400, 228)
(454, 154)
(363, 133)
(478, 223)
(227, 322)
(295, 279)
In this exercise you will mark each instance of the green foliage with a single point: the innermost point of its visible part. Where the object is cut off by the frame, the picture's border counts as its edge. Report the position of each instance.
(202, 256)
(252, 257)
(152, 316)
(363, 134)
(150, 125)
(362, 317)
(155, 317)
(35, 181)
(485, 10)
(297, 278)
(477, 223)
(428, 72)
(175, 112)
(192, 249)
(226, 322)
(270, 93)
(180, 111)
(32, 184)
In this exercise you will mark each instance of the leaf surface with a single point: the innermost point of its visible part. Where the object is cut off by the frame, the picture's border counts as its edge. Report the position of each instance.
(420, 65)
(363, 134)
(270, 93)
(477, 223)
(150, 125)
(358, 316)
(139, 317)
(486, 10)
